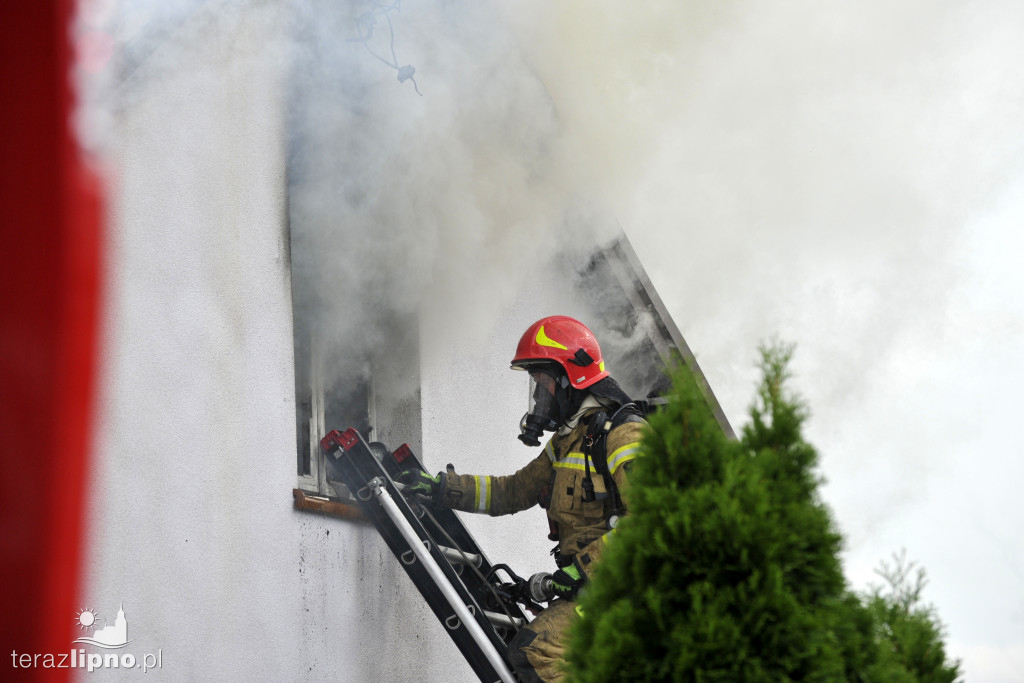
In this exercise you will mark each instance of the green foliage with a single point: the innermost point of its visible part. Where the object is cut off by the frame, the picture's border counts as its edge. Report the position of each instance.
(909, 631)
(726, 568)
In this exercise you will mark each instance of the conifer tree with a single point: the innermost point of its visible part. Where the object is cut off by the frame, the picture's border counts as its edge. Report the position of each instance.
(909, 630)
(726, 567)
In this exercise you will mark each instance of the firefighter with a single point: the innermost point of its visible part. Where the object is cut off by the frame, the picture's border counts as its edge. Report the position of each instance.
(578, 477)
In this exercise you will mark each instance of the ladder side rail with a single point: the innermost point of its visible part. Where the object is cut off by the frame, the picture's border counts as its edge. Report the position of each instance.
(357, 479)
(496, 660)
(357, 467)
(403, 458)
(466, 581)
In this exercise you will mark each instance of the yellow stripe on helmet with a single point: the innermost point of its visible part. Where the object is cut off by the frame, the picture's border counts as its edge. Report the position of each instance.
(544, 340)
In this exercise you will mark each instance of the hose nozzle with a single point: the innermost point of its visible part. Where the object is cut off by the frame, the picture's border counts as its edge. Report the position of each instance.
(540, 587)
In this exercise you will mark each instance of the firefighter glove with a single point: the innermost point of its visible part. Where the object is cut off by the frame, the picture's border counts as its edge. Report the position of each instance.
(420, 483)
(567, 582)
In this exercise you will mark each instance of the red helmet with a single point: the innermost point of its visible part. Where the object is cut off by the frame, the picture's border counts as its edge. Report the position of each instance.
(566, 341)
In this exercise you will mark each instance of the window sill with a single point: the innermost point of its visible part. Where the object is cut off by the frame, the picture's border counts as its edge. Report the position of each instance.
(325, 506)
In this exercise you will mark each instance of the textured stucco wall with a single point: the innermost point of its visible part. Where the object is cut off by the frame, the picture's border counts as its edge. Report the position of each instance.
(192, 527)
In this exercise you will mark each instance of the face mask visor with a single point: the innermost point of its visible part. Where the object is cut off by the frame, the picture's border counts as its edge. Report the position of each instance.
(544, 409)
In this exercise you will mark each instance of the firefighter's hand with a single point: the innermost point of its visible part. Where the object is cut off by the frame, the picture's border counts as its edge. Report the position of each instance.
(567, 582)
(420, 483)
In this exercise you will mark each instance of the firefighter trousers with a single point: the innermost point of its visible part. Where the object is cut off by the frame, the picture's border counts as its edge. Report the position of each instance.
(537, 652)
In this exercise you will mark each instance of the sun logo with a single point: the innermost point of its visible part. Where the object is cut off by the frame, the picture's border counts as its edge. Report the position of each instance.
(87, 618)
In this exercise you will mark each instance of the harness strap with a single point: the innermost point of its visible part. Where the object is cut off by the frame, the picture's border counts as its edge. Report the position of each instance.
(595, 446)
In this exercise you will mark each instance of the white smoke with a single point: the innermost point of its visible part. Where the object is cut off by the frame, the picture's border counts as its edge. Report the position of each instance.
(771, 155)
(441, 203)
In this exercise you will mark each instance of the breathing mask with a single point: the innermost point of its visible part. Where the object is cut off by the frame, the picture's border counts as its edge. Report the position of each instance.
(550, 404)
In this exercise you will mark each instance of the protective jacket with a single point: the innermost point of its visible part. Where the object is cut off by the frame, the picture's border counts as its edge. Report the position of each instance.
(554, 481)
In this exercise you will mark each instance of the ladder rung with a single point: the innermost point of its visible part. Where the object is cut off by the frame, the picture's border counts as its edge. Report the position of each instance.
(499, 619)
(456, 555)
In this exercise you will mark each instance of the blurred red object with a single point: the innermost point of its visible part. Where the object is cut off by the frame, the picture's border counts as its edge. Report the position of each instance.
(50, 277)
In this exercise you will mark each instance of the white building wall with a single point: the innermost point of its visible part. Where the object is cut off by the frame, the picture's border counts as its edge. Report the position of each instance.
(192, 527)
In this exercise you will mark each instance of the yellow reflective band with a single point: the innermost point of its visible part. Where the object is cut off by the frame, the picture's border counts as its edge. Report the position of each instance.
(574, 461)
(600, 366)
(623, 455)
(544, 340)
(579, 610)
(549, 448)
(482, 500)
